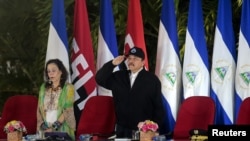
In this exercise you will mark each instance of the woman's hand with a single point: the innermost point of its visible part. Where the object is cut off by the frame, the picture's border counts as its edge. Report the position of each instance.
(48, 130)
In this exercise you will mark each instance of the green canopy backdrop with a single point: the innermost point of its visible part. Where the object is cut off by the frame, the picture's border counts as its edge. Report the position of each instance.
(24, 26)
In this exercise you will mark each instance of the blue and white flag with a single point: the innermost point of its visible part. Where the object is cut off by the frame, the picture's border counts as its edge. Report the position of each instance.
(223, 65)
(58, 40)
(196, 78)
(107, 44)
(242, 76)
(168, 66)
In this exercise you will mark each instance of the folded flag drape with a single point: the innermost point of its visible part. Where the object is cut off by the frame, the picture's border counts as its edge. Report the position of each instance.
(82, 58)
(107, 43)
(195, 76)
(223, 65)
(242, 76)
(168, 66)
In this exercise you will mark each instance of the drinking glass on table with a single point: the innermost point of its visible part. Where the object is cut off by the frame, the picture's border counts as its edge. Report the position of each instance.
(135, 135)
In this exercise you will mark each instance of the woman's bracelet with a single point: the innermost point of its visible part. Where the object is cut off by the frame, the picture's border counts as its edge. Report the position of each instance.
(44, 126)
(56, 125)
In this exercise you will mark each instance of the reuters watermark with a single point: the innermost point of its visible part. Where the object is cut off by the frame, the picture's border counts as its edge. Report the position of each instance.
(241, 132)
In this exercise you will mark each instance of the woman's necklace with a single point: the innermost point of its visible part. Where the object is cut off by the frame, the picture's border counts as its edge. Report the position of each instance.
(53, 94)
(55, 88)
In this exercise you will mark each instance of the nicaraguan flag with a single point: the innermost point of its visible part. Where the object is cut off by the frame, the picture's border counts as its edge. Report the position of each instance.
(196, 79)
(107, 43)
(168, 66)
(242, 76)
(223, 65)
(58, 41)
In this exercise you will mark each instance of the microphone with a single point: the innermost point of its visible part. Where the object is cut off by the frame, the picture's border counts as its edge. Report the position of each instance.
(50, 82)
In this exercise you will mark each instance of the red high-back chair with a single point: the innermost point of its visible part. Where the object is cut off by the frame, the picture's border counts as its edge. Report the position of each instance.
(97, 118)
(196, 112)
(22, 108)
(244, 112)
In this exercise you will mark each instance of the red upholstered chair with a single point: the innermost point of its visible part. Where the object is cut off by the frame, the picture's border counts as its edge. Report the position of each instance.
(97, 118)
(244, 112)
(196, 112)
(20, 107)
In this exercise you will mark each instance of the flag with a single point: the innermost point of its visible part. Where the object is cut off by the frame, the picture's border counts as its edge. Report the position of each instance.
(168, 66)
(82, 58)
(223, 65)
(107, 44)
(195, 74)
(242, 76)
(58, 40)
(134, 32)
